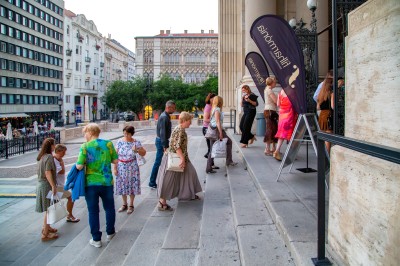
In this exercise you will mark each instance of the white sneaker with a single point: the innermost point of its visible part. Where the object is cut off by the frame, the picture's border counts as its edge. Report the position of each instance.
(109, 237)
(96, 244)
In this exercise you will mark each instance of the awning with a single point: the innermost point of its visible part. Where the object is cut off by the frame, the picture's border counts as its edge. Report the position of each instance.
(14, 115)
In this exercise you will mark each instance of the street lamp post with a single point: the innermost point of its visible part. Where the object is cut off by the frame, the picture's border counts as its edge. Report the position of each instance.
(60, 121)
(196, 103)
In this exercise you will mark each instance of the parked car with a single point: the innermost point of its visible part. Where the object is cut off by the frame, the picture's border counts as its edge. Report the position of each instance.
(129, 116)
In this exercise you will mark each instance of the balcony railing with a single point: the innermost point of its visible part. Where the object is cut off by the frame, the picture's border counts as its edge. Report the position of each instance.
(68, 52)
(88, 59)
(101, 64)
(108, 56)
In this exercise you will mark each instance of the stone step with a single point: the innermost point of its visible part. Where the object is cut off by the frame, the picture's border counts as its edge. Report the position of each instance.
(259, 240)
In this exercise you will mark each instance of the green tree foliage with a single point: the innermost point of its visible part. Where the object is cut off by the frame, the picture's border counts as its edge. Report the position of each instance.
(135, 94)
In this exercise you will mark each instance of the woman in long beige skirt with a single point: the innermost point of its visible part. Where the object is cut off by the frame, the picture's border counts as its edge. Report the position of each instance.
(184, 185)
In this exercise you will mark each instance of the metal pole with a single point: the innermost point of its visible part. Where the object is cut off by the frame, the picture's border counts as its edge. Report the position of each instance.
(335, 67)
(321, 259)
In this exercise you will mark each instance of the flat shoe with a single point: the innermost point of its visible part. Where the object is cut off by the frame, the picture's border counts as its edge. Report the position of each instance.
(215, 167)
(72, 219)
(243, 146)
(211, 172)
(196, 198)
(164, 207)
(277, 155)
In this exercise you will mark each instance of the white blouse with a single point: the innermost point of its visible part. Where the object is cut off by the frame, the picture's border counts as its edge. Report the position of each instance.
(269, 103)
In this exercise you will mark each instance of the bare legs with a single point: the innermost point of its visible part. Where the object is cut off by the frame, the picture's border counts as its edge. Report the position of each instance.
(277, 152)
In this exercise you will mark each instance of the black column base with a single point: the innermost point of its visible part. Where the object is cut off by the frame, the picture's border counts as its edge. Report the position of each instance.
(323, 262)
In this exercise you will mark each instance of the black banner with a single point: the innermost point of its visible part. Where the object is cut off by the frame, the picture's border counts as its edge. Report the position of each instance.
(281, 49)
(258, 70)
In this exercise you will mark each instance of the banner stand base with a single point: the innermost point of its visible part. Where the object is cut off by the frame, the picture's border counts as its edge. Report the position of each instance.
(306, 170)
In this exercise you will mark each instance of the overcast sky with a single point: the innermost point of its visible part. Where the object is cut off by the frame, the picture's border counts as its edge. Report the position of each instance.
(126, 19)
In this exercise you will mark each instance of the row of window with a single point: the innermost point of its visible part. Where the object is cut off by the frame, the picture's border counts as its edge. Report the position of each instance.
(38, 13)
(29, 69)
(31, 54)
(27, 99)
(47, 3)
(29, 38)
(12, 82)
(27, 22)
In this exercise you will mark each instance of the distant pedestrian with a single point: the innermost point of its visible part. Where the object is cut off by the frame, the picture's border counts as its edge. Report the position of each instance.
(164, 128)
(59, 153)
(46, 182)
(325, 102)
(315, 96)
(128, 173)
(249, 104)
(271, 116)
(184, 185)
(217, 116)
(286, 122)
(206, 118)
(97, 155)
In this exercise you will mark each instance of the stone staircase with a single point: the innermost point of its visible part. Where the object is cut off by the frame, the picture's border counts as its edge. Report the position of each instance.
(230, 226)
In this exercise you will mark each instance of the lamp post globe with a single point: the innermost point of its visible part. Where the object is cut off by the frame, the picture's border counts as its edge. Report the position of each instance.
(293, 23)
(312, 4)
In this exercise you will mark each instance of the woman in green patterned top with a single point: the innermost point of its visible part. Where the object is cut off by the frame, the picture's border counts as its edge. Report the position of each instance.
(184, 185)
(97, 155)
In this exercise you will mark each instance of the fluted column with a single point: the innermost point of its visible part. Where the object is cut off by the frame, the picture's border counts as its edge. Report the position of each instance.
(87, 106)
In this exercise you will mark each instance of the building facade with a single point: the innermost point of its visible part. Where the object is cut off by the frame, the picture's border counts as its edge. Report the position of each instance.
(31, 60)
(83, 68)
(190, 56)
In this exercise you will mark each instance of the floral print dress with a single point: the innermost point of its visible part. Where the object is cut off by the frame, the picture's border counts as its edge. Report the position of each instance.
(128, 178)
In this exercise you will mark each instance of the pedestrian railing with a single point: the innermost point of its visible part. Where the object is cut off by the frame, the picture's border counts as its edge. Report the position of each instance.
(232, 120)
(375, 150)
(24, 144)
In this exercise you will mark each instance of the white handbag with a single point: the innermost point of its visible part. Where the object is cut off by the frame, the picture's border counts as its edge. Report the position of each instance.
(173, 162)
(56, 211)
(219, 148)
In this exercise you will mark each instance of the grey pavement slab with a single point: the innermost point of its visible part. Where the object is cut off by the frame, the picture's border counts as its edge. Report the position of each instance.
(177, 257)
(146, 247)
(262, 245)
(184, 231)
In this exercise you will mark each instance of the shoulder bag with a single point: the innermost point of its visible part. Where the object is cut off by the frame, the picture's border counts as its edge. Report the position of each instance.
(211, 132)
(173, 162)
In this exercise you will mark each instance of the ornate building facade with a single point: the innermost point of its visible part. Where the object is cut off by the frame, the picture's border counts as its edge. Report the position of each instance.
(83, 68)
(190, 56)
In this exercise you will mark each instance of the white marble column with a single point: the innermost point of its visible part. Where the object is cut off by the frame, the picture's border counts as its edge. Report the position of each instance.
(87, 107)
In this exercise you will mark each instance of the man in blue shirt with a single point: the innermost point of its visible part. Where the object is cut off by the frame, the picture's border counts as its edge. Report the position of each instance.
(164, 129)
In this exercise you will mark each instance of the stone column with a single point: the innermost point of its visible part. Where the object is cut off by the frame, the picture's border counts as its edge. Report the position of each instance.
(87, 107)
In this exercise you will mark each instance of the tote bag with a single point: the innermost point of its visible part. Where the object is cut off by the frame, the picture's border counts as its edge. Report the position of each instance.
(173, 162)
(56, 211)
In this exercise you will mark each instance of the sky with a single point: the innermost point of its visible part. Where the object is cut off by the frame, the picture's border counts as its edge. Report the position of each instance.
(126, 19)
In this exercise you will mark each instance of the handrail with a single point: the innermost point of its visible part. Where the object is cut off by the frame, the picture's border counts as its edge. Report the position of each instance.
(232, 120)
(379, 151)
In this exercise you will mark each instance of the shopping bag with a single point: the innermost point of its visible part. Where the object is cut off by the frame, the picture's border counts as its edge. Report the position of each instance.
(56, 211)
(173, 162)
(140, 160)
(219, 148)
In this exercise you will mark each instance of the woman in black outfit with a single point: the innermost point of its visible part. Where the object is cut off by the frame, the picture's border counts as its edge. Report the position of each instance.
(249, 103)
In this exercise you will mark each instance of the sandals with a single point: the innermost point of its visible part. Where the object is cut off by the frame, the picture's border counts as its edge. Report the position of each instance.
(72, 219)
(244, 145)
(164, 207)
(252, 140)
(231, 164)
(130, 209)
(211, 172)
(49, 236)
(277, 155)
(52, 230)
(124, 207)
(268, 153)
(214, 167)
